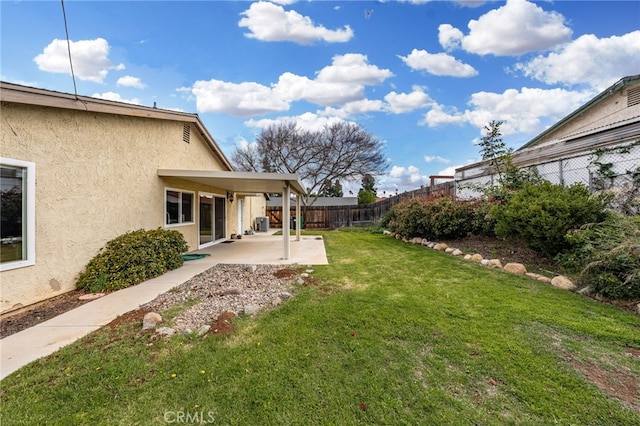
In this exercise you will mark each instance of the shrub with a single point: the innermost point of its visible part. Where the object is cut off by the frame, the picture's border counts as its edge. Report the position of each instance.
(132, 258)
(607, 256)
(542, 214)
(439, 218)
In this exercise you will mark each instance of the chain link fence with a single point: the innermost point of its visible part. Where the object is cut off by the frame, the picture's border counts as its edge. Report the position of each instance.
(614, 168)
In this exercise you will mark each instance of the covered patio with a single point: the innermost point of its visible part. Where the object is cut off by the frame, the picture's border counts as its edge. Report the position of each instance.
(286, 184)
(265, 248)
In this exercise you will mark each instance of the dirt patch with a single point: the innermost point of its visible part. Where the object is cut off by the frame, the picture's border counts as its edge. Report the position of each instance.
(15, 321)
(616, 383)
(285, 273)
(506, 251)
(222, 324)
(136, 315)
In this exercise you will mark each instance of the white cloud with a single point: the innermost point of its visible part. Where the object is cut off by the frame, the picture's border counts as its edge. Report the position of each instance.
(353, 68)
(112, 96)
(243, 99)
(354, 108)
(341, 83)
(516, 28)
(407, 176)
(575, 63)
(528, 110)
(307, 121)
(405, 102)
(436, 158)
(90, 59)
(449, 171)
(450, 38)
(440, 64)
(269, 22)
(129, 81)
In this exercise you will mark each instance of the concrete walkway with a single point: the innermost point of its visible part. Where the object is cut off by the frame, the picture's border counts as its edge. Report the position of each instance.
(45, 338)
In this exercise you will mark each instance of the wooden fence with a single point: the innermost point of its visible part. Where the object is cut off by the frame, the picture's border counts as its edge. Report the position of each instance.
(332, 217)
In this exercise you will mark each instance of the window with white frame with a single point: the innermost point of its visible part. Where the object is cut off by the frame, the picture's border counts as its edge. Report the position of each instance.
(178, 207)
(17, 212)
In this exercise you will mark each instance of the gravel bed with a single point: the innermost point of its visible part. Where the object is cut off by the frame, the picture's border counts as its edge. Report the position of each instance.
(227, 288)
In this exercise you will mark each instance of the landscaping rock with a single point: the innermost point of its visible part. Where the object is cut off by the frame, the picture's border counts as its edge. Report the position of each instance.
(230, 291)
(563, 282)
(544, 279)
(425, 242)
(585, 291)
(416, 240)
(385, 232)
(203, 330)
(515, 268)
(495, 263)
(150, 320)
(467, 257)
(457, 252)
(91, 296)
(448, 250)
(165, 331)
(484, 262)
(638, 309)
(251, 309)
(285, 295)
(476, 257)
(441, 246)
(533, 275)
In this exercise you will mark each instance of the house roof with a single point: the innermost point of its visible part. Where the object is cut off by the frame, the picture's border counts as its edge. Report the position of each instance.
(10, 92)
(321, 201)
(610, 91)
(247, 182)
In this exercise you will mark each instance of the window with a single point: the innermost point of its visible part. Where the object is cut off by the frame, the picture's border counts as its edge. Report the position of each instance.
(17, 213)
(179, 207)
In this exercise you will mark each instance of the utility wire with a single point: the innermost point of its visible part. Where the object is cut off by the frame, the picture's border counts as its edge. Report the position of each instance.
(66, 29)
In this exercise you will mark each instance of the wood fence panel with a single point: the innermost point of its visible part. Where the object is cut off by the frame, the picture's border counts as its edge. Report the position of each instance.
(332, 217)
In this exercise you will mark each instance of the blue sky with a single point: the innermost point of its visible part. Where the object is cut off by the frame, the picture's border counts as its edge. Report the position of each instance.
(422, 76)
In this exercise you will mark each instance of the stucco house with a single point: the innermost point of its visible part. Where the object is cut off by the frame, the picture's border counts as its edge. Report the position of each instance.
(78, 171)
(597, 145)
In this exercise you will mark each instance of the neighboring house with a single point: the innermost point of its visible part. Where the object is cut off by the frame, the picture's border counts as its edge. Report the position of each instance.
(319, 202)
(77, 172)
(597, 145)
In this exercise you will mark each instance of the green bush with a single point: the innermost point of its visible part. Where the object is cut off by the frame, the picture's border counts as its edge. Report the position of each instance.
(439, 218)
(541, 214)
(607, 256)
(133, 258)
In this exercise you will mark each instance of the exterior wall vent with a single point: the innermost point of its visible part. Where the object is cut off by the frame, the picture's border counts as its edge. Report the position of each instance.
(633, 97)
(186, 133)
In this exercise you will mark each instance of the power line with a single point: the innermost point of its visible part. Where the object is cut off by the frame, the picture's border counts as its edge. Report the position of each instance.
(66, 29)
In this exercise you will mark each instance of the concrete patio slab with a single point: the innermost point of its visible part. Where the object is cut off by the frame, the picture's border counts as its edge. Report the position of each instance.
(47, 337)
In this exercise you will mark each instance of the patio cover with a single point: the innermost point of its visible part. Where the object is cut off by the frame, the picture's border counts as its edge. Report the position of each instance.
(251, 182)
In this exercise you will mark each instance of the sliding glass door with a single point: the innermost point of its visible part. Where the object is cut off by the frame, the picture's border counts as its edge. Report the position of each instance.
(212, 219)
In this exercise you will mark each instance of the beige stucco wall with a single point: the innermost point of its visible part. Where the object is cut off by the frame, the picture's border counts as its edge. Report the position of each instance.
(96, 178)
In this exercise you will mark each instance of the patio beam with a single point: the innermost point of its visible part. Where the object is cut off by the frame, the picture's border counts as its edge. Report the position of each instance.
(286, 217)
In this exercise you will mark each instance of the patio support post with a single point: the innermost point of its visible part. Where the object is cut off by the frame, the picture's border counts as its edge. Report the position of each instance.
(298, 216)
(286, 217)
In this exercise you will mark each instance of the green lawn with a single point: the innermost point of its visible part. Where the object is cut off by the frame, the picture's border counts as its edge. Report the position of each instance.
(391, 334)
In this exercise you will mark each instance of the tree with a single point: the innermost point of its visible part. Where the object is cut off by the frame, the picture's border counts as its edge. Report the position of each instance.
(367, 193)
(369, 183)
(332, 189)
(510, 177)
(342, 151)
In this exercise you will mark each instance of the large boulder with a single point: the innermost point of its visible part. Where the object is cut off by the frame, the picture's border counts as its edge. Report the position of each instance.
(441, 246)
(495, 263)
(563, 282)
(150, 320)
(515, 268)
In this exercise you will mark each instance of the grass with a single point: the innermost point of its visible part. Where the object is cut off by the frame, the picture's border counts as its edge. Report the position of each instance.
(391, 333)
